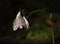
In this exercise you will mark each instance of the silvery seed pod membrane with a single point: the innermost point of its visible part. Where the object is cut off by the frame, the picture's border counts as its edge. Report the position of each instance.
(20, 22)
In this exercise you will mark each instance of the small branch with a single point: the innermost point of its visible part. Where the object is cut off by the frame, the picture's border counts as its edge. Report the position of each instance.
(32, 13)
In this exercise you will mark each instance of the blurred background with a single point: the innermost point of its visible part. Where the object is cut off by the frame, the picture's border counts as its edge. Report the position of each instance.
(42, 29)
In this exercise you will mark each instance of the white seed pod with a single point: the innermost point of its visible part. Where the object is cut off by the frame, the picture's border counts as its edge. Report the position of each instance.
(26, 23)
(19, 22)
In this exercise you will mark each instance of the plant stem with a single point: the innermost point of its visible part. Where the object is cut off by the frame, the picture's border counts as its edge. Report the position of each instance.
(52, 29)
(52, 35)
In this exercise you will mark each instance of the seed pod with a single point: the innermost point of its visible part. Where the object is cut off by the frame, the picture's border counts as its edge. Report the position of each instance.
(19, 22)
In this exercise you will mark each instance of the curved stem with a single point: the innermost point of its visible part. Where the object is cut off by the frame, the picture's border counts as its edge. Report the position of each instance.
(32, 13)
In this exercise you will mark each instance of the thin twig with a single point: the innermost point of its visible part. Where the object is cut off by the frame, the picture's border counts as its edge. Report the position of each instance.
(32, 13)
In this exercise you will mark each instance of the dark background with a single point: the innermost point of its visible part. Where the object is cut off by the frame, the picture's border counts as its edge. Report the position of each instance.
(9, 9)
